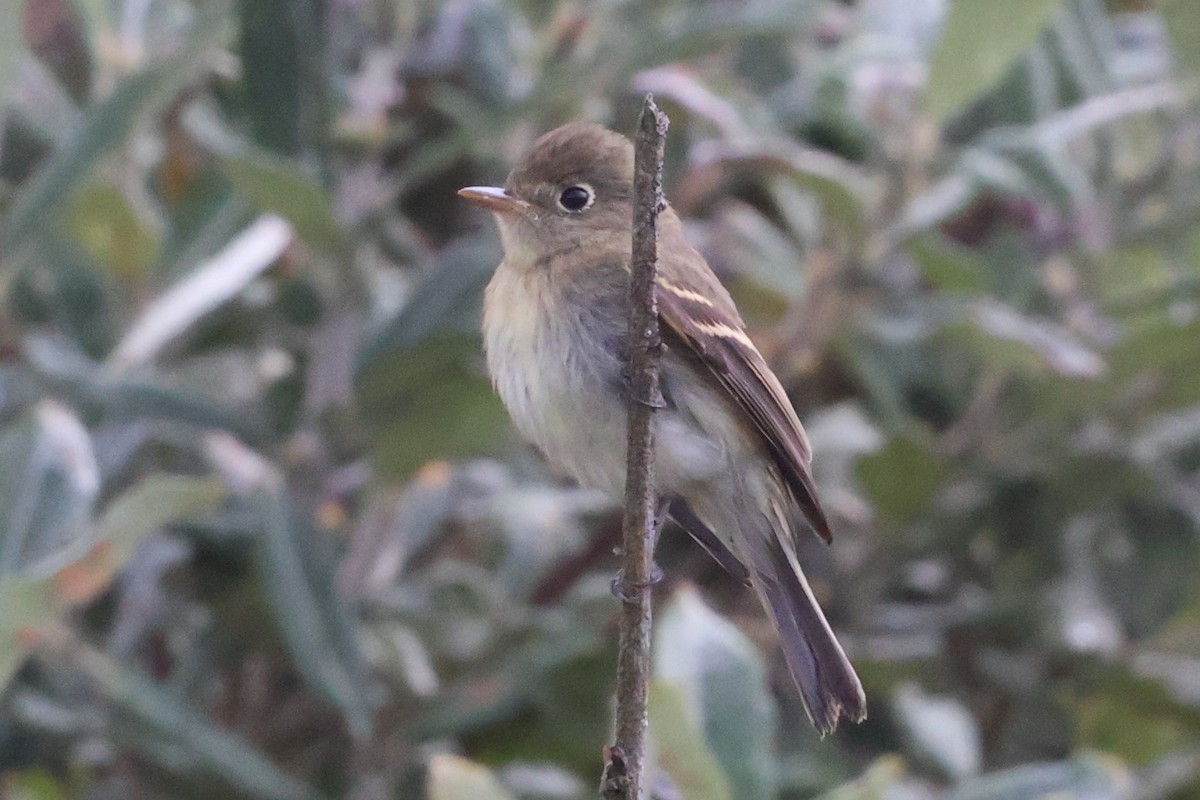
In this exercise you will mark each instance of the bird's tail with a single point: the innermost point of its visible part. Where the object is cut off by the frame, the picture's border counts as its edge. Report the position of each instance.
(740, 533)
(828, 684)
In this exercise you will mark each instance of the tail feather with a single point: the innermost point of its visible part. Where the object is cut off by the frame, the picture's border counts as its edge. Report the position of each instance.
(756, 537)
(687, 519)
(827, 682)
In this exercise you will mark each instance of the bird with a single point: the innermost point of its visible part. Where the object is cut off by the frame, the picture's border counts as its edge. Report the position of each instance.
(732, 458)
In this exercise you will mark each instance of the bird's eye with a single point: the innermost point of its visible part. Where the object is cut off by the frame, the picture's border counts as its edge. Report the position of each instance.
(576, 198)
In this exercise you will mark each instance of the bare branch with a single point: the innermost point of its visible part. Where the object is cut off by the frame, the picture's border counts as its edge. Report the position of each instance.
(624, 761)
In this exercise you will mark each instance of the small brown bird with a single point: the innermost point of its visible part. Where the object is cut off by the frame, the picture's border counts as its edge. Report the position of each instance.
(731, 455)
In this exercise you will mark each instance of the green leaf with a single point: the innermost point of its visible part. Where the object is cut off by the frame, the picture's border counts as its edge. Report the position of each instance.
(173, 734)
(48, 485)
(107, 229)
(67, 290)
(33, 784)
(33, 602)
(842, 189)
(455, 778)
(431, 401)
(278, 47)
(1055, 346)
(902, 478)
(1162, 351)
(421, 380)
(1183, 23)
(679, 747)
(946, 267)
(80, 382)
(1136, 718)
(133, 400)
(1088, 777)
(877, 783)
(38, 204)
(980, 41)
(12, 41)
(151, 504)
(140, 511)
(314, 620)
(447, 300)
(29, 609)
(764, 253)
(721, 681)
(514, 711)
(833, 182)
(271, 184)
(489, 52)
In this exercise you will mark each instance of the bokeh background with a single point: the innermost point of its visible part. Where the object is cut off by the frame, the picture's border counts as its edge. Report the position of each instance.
(266, 533)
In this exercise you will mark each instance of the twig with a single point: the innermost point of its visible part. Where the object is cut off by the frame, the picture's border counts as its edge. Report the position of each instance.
(624, 760)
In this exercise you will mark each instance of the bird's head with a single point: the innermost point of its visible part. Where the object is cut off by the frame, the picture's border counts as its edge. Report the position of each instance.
(572, 188)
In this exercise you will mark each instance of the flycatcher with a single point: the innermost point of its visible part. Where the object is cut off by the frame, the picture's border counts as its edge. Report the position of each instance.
(731, 455)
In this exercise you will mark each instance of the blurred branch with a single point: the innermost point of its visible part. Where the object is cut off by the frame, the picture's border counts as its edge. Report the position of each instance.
(1097, 112)
(624, 761)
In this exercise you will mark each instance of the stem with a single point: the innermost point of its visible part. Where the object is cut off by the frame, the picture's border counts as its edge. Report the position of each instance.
(624, 761)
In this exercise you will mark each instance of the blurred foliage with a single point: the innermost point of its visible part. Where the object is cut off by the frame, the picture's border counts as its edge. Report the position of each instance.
(264, 529)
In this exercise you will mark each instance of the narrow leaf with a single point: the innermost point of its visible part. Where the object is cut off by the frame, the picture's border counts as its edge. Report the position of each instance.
(980, 41)
(12, 43)
(33, 601)
(721, 679)
(107, 126)
(454, 778)
(1183, 23)
(163, 727)
(48, 484)
(29, 609)
(939, 729)
(102, 221)
(208, 287)
(270, 184)
(679, 746)
(312, 616)
(1087, 777)
(876, 783)
(152, 504)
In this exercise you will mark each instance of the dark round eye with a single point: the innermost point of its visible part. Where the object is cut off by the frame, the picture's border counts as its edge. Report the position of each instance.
(575, 198)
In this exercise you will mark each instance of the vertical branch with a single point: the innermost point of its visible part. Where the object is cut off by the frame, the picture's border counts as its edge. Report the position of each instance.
(623, 770)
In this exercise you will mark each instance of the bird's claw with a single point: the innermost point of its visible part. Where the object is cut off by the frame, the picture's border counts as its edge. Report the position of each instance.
(618, 584)
(657, 403)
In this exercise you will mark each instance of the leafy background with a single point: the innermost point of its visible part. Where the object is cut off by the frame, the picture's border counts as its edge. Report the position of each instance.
(266, 533)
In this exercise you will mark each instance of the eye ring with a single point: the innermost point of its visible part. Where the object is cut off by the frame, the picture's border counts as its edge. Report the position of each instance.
(576, 198)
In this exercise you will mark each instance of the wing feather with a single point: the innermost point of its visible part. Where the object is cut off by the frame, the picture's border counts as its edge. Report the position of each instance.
(702, 321)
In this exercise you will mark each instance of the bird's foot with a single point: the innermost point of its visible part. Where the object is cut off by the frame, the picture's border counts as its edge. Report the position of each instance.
(620, 587)
(657, 403)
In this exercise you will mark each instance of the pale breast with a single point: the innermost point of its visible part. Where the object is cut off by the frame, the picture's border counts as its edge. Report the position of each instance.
(561, 377)
(560, 385)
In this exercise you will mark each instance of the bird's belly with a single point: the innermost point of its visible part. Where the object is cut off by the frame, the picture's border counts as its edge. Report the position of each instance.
(563, 390)
(586, 435)
(582, 427)
(569, 412)
(554, 379)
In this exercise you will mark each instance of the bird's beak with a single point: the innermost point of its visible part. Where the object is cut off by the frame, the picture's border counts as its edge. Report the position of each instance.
(494, 198)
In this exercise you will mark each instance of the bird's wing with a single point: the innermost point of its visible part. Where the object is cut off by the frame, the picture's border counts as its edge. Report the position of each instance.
(687, 519)
(698, 317)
